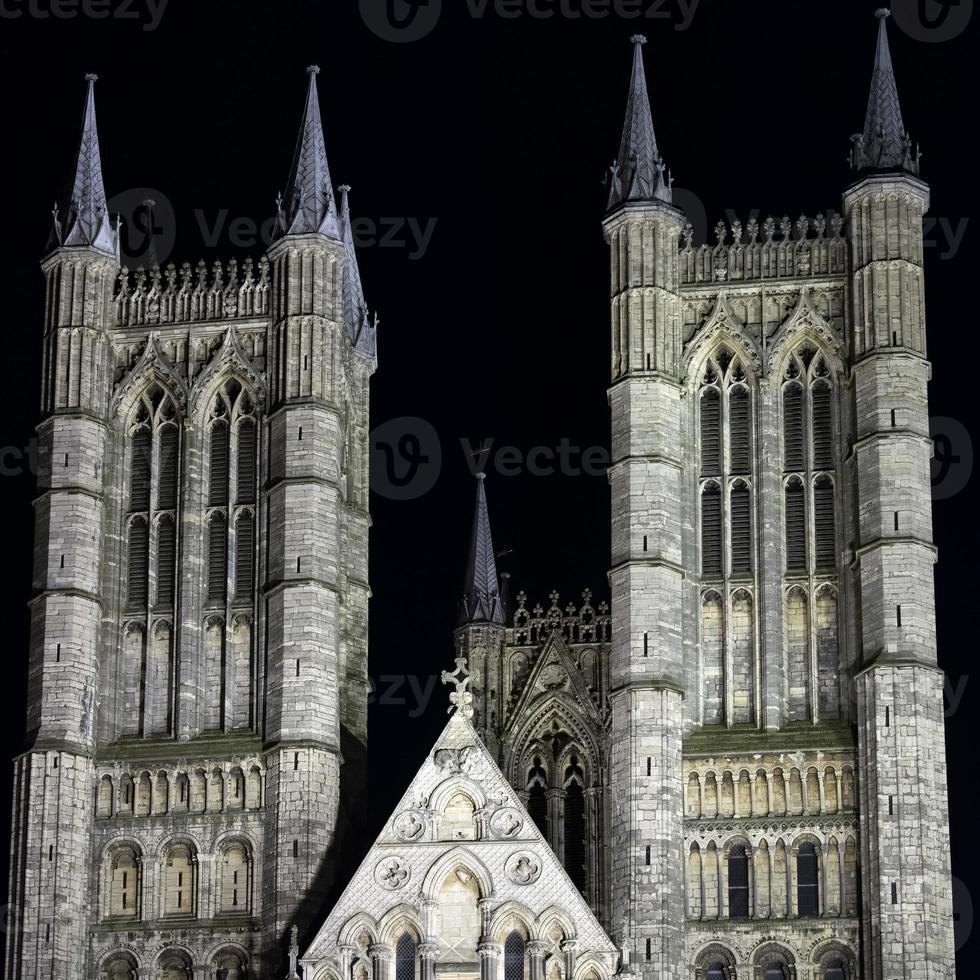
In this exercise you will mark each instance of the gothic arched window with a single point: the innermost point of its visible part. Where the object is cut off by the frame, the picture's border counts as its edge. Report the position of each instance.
(575, 824)
(809, 461)
(514, 947)
(738, 883)
(154, 490)
(807, 881)
(711, 531)
(795, 516)
(725, 429)
(405, 954)
(231, 491)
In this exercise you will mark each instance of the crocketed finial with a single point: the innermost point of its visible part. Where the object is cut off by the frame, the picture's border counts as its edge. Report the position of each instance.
(461, 698)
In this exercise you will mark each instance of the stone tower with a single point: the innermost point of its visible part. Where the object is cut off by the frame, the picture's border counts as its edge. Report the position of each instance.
(198, 673)
(54, 779)
(906, 916)
(643, 230)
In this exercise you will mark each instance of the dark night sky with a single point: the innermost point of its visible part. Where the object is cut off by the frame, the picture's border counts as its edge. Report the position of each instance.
(501, 131)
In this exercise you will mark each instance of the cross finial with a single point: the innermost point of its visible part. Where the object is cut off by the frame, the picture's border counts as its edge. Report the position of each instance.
(461, 698)
(313, 69)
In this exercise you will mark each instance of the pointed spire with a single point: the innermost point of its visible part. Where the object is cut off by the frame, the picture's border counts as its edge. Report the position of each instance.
(884, 144)
(639, 173)
(309, 207)
(86, 222)
(360, 330)
(481, 595)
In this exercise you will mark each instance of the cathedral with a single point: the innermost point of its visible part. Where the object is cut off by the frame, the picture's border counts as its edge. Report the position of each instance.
(734, 768)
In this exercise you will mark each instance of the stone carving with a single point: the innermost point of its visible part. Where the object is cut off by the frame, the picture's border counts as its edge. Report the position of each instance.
(506, 824)
(410, 826)
(523, 868)
(392, 873)
(457, 760)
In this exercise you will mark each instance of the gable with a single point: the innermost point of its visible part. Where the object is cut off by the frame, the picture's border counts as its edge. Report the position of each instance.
(430, 846)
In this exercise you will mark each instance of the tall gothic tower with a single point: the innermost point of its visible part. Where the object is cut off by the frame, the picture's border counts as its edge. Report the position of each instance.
(906, 918)
(776, 760)
(198, 662)
(647, 576)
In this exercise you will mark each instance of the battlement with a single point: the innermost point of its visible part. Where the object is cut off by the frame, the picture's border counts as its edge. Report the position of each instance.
(738, 254)
(582, 624)
(150, 297)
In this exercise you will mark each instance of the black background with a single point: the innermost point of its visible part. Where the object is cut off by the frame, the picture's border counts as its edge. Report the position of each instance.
(502, 131)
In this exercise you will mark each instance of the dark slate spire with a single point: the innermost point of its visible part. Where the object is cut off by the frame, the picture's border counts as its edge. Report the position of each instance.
(481, 595)
(361, 331)
(639, 173)
(884, 144)
(86, 221)
(309, 207)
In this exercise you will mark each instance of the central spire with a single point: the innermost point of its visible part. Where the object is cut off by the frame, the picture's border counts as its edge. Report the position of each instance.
(639, 173)
(481, 593)
(309, 207)
(87, 219)
(884, 144)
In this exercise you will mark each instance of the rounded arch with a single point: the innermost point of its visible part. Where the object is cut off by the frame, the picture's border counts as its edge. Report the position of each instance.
(119, 963)
(715, 957)
(175, 962)
(774, 956)
(834, 955)
(461, 858)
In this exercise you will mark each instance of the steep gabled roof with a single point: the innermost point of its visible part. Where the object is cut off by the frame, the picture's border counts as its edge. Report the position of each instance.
(512, 863)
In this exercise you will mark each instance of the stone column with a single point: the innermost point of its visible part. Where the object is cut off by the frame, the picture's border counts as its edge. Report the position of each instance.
(556, 821)
(593, 828)
(570, 948)
(427, 960)
(536, 951)
(824, 879)
(490, 954)
(381, 956)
